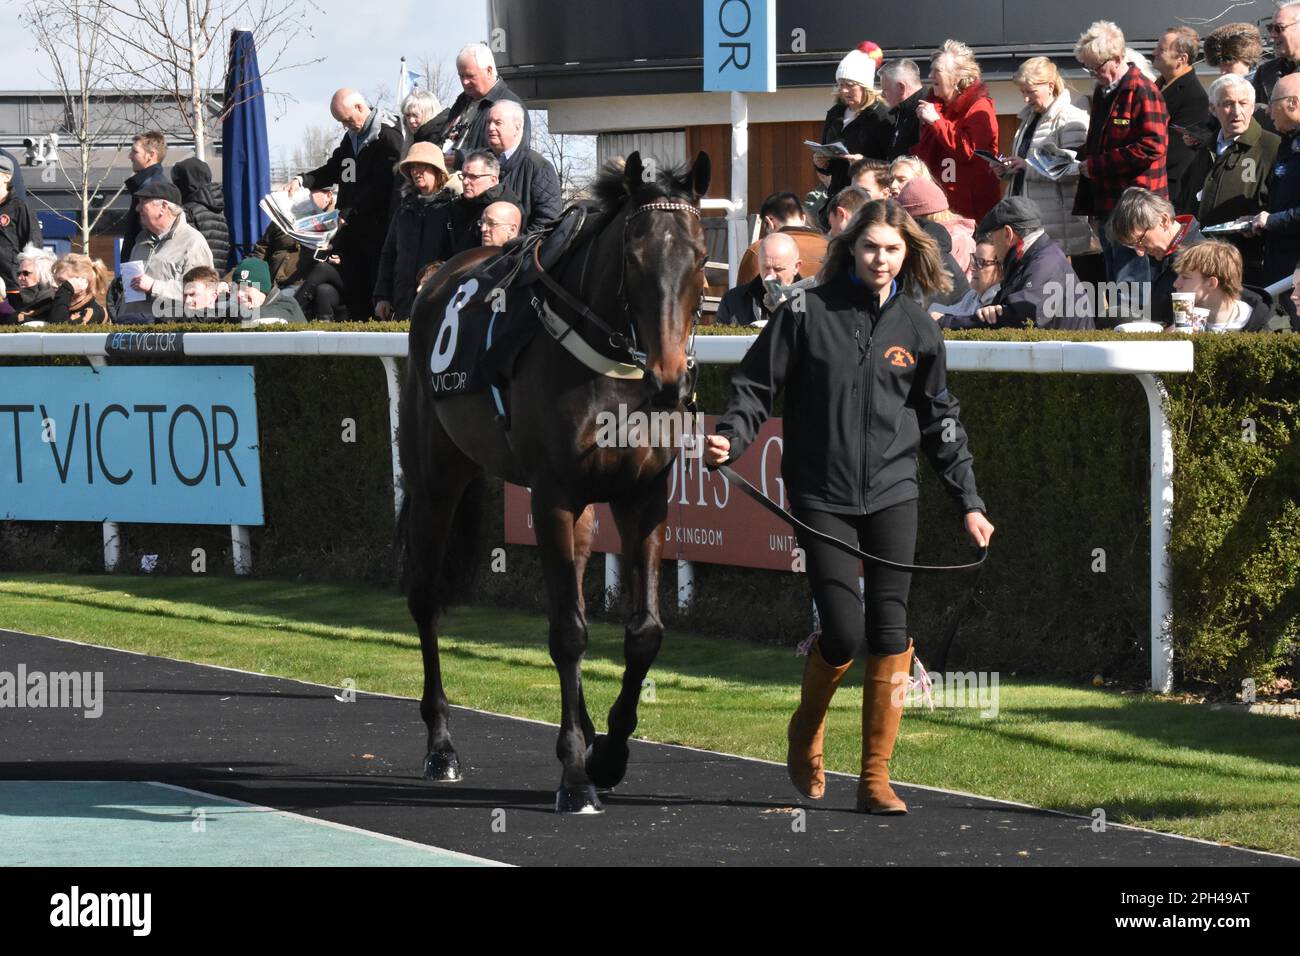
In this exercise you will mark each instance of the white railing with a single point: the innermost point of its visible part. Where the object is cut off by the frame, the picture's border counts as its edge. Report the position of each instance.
(1144, 360)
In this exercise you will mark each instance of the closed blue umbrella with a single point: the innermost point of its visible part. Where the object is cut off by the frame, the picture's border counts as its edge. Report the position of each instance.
(246, 158)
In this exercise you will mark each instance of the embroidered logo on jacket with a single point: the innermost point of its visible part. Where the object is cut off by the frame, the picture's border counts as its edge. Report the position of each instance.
(900, 357)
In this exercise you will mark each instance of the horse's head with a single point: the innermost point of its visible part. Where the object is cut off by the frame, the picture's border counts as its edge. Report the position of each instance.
(662, 268)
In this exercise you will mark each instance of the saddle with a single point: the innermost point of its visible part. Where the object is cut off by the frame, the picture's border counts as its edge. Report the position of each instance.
(493, 315)
(515, 267)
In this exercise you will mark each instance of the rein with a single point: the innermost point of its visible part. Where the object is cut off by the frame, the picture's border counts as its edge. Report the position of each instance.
(770, 505)
(617, 340)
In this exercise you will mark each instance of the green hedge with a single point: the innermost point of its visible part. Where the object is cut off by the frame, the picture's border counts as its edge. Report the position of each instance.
(1061, 461)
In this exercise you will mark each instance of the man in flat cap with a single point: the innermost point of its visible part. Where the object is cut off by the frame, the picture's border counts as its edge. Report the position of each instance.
(169, 247)
(1039, 287)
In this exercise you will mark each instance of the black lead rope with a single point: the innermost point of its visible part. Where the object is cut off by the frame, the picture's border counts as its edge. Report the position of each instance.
(834, 542)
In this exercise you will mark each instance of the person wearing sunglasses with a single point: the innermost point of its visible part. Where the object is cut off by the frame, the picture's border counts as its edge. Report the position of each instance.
(1284, 33)
(1279, 223)
(1039, 287)
(34, 278)
(1128, 132)
(481, 178)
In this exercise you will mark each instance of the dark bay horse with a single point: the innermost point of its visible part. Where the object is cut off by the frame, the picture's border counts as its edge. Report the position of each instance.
(639, 269)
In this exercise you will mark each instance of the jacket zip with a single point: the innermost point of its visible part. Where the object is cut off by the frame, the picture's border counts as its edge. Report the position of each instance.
(867, 378)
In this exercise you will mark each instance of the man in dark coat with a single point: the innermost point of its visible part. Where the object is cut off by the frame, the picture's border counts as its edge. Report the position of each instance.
(525, 172)
(481, 178)
(1039, 287)
(205, 206)
(1285, 32)
(1280, 222)
(362, 167)
(148, 150)
(1188, 106)
(1240, 159)
(900, 84)
(465, 123)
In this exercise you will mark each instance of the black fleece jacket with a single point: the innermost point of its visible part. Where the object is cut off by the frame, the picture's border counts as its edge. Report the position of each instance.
(865, 390)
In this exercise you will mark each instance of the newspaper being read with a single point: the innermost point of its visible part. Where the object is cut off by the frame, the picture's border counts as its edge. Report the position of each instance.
(301, 219)
(1052, 161)
(830, 149)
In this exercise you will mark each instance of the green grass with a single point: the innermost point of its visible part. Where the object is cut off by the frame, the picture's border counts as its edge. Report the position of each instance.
(1223, 776)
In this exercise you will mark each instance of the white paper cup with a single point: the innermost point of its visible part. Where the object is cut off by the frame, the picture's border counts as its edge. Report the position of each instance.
(1183, 303)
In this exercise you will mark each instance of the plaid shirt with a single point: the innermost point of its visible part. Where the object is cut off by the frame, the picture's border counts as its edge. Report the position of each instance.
(1127, 139)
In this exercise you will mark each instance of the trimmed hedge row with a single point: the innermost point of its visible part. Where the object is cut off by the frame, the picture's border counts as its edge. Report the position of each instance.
(1061, 461)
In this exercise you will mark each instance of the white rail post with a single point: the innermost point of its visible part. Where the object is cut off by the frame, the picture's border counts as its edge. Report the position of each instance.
(613, 579)
(241, 549)
(739, 184)
(112, 547)
(394, 384)
(1162, 507)
(111, 535)
(685, 584)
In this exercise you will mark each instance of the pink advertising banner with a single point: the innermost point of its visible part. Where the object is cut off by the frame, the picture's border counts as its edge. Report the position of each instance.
(708, 520)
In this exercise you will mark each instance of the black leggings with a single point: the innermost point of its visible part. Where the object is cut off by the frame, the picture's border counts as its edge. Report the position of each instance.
(321, 294)
(891, 534)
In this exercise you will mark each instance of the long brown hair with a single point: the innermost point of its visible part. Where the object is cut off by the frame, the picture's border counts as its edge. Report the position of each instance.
(922, 269)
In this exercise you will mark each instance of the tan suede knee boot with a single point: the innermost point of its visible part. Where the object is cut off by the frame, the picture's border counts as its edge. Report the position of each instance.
(882, 712)
(808, 725)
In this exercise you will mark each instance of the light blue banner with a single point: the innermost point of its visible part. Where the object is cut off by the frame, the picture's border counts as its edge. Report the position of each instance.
(144, 443)
(740, 45)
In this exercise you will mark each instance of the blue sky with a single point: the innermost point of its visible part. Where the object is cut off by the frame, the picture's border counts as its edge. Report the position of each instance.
(361, 45)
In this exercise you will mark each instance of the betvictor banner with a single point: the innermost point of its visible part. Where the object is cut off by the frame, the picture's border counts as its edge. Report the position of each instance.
(708, 520)
(164, 444)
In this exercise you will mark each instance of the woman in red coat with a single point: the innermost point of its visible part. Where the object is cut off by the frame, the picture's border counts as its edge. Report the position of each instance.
(957, 118)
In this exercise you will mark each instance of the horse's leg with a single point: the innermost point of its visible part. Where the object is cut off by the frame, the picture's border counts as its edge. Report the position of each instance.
(584, 530)
(554, 524)
(640, 525)
(432, 507)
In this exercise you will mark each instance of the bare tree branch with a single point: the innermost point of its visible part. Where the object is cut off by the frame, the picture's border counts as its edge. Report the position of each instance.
(574, 157)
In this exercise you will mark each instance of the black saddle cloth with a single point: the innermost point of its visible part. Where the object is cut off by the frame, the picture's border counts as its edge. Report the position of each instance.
(492, 313)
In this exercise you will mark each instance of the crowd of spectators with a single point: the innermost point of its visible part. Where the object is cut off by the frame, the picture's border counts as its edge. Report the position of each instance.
(1151, 159)
(1094, 215)
(410, 191)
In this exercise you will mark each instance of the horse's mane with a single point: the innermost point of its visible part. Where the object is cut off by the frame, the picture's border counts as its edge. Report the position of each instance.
(611, 187)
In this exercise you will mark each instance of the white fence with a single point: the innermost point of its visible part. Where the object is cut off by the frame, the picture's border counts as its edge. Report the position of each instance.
(1144, 360)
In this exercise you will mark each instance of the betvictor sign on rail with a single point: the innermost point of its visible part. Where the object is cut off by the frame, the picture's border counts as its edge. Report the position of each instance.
(708, 520)
(164, 444)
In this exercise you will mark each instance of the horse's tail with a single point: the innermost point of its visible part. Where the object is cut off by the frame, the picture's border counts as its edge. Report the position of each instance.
(401, 550)
(463, 558)
(462, 553)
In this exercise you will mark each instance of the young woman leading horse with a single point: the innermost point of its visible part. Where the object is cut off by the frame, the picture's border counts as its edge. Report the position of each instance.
(864, 372)
(634, 280)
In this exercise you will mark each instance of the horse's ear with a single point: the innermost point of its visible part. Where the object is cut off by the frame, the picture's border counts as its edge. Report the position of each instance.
(633, 171)
(701, 172)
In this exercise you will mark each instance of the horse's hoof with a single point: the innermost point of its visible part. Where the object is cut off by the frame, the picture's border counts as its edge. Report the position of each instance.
(442, 767)
(577, 800)
(606, 763)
